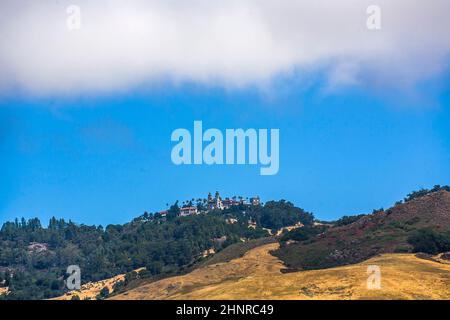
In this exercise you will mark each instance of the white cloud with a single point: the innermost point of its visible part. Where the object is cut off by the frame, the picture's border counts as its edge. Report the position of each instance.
(122, 44)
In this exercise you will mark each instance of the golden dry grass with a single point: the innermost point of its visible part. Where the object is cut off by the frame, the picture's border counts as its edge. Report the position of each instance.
(4, 290)
(90, 290)
(257, 275)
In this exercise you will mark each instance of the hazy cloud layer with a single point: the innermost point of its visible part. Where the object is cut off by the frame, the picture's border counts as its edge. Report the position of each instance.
(122, 44)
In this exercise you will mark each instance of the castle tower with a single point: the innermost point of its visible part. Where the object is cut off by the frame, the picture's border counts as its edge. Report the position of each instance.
(218, 201)
(255, 201)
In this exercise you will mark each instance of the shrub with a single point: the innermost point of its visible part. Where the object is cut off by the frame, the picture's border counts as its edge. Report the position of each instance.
(345, 220)
(303, 233)
(104, 293)
(429, 241)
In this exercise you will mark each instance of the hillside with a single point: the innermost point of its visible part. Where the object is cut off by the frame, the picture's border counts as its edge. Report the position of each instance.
(34, 258)
(91, 290)
(382, 232)
(343, 252)
(257, 275)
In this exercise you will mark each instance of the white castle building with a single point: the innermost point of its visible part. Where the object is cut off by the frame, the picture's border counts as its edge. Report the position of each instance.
(217, 202)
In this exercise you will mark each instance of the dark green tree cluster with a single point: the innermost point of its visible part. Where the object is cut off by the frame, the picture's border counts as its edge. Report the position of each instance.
(279, 214)
(307, 233)
(429, 241)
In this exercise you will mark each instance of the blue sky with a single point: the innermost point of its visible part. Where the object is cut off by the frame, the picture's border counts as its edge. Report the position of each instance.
(90, 92)
(106, 159)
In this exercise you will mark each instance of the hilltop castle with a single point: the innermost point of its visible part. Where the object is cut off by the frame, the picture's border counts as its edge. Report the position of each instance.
(216, 202)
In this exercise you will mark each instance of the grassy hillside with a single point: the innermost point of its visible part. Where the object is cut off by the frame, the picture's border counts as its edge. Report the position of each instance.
(257, 275)
(382, 232)
(234, 251)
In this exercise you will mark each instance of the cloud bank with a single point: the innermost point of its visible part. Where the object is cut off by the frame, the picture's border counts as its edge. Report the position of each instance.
(124, 44)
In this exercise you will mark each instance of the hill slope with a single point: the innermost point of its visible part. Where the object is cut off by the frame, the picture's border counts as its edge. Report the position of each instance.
(257, 275)
(382, 232)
